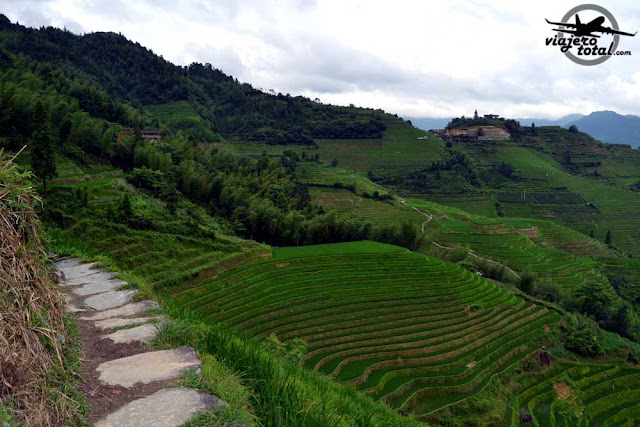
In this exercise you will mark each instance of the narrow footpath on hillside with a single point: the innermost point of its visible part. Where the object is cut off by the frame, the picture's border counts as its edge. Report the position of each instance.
(124, 383)
(428, 220)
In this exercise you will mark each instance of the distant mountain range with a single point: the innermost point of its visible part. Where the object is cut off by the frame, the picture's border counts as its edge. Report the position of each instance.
(606, 126)
(562, 121)
(609, 126)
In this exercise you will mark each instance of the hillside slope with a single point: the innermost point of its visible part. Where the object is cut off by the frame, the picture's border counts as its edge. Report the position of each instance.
(169, 253)
(384, 320)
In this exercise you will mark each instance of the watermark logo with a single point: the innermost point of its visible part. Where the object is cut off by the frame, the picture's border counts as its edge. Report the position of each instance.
(590, 42)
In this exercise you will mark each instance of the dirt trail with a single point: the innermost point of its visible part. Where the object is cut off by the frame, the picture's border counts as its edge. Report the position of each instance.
(470, 253)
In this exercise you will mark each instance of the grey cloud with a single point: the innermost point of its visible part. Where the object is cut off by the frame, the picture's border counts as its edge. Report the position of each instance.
(307, 59)
(39, 13)
(225, 59)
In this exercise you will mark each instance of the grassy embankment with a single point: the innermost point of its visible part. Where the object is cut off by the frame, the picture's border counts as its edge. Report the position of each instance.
(39, 364)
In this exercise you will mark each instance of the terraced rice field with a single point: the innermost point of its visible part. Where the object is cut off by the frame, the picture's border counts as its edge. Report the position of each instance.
(613, 208)
(168, 260)
(373, 211)
(399, 151)
(70, 173)
(556, 253)
(414, 331)
(479, 204)
(578, 394)
(320, 174)
(518, 251)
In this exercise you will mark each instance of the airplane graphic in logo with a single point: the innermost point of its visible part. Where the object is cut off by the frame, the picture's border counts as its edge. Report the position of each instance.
(586, 30)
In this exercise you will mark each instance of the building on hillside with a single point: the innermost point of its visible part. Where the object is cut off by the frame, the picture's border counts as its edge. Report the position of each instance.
(481, 133)
(492, 116)
(151, 135)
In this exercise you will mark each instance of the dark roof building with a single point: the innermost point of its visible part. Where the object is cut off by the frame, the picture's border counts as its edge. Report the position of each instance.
(151, 135)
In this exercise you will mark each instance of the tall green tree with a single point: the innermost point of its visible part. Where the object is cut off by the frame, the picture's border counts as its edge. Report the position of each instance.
(595, 299)
(43, 157)
(585, 338)
(622, 321)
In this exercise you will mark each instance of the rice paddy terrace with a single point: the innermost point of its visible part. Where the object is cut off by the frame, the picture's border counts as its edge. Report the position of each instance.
(565, 177)
(570, 394)
(414, 331)
(562, 255)
(566, 258)
(402, 149)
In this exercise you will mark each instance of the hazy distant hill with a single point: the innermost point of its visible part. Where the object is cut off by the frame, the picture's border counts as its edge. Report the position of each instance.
(426, 123)
(562, 121)
(609, 126)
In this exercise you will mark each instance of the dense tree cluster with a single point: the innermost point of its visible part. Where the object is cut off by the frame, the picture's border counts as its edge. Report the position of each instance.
(260, 197)
(40, 108)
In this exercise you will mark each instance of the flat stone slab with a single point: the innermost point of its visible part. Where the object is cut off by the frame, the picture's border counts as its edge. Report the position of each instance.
(169, 407)
(142, 333)
(127, 310)
(98, 276)
(66, 263)
(148, 367)
(116, 322)
(80, 270)
(98, 287)
(111, 299)
(70, 308)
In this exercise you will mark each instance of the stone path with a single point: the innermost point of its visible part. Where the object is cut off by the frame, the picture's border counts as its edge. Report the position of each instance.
(124, 383)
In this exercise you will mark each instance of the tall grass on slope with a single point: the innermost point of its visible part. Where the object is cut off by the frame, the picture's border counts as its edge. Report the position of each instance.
(32, 328)
(283, 394)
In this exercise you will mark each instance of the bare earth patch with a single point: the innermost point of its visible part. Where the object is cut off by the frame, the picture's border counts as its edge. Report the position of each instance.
(531, 233)
(562, 390)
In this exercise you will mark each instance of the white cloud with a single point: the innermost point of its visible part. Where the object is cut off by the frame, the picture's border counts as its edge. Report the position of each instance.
(409, 57)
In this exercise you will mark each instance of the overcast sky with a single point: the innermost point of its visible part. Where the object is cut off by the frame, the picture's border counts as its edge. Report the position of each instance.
(415, 58)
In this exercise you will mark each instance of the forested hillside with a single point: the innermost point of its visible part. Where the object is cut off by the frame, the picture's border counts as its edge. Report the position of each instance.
(133, 74)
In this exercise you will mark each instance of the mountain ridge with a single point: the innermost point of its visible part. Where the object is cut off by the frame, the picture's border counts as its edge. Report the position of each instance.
(609, 126)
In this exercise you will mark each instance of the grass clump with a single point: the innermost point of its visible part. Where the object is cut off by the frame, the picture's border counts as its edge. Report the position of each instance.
(218, 379)
(254, 380)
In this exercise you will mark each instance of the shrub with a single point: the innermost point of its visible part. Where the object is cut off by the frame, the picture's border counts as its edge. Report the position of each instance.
(292, 352)
(527, 282)
(546, 291)
(585, 338)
